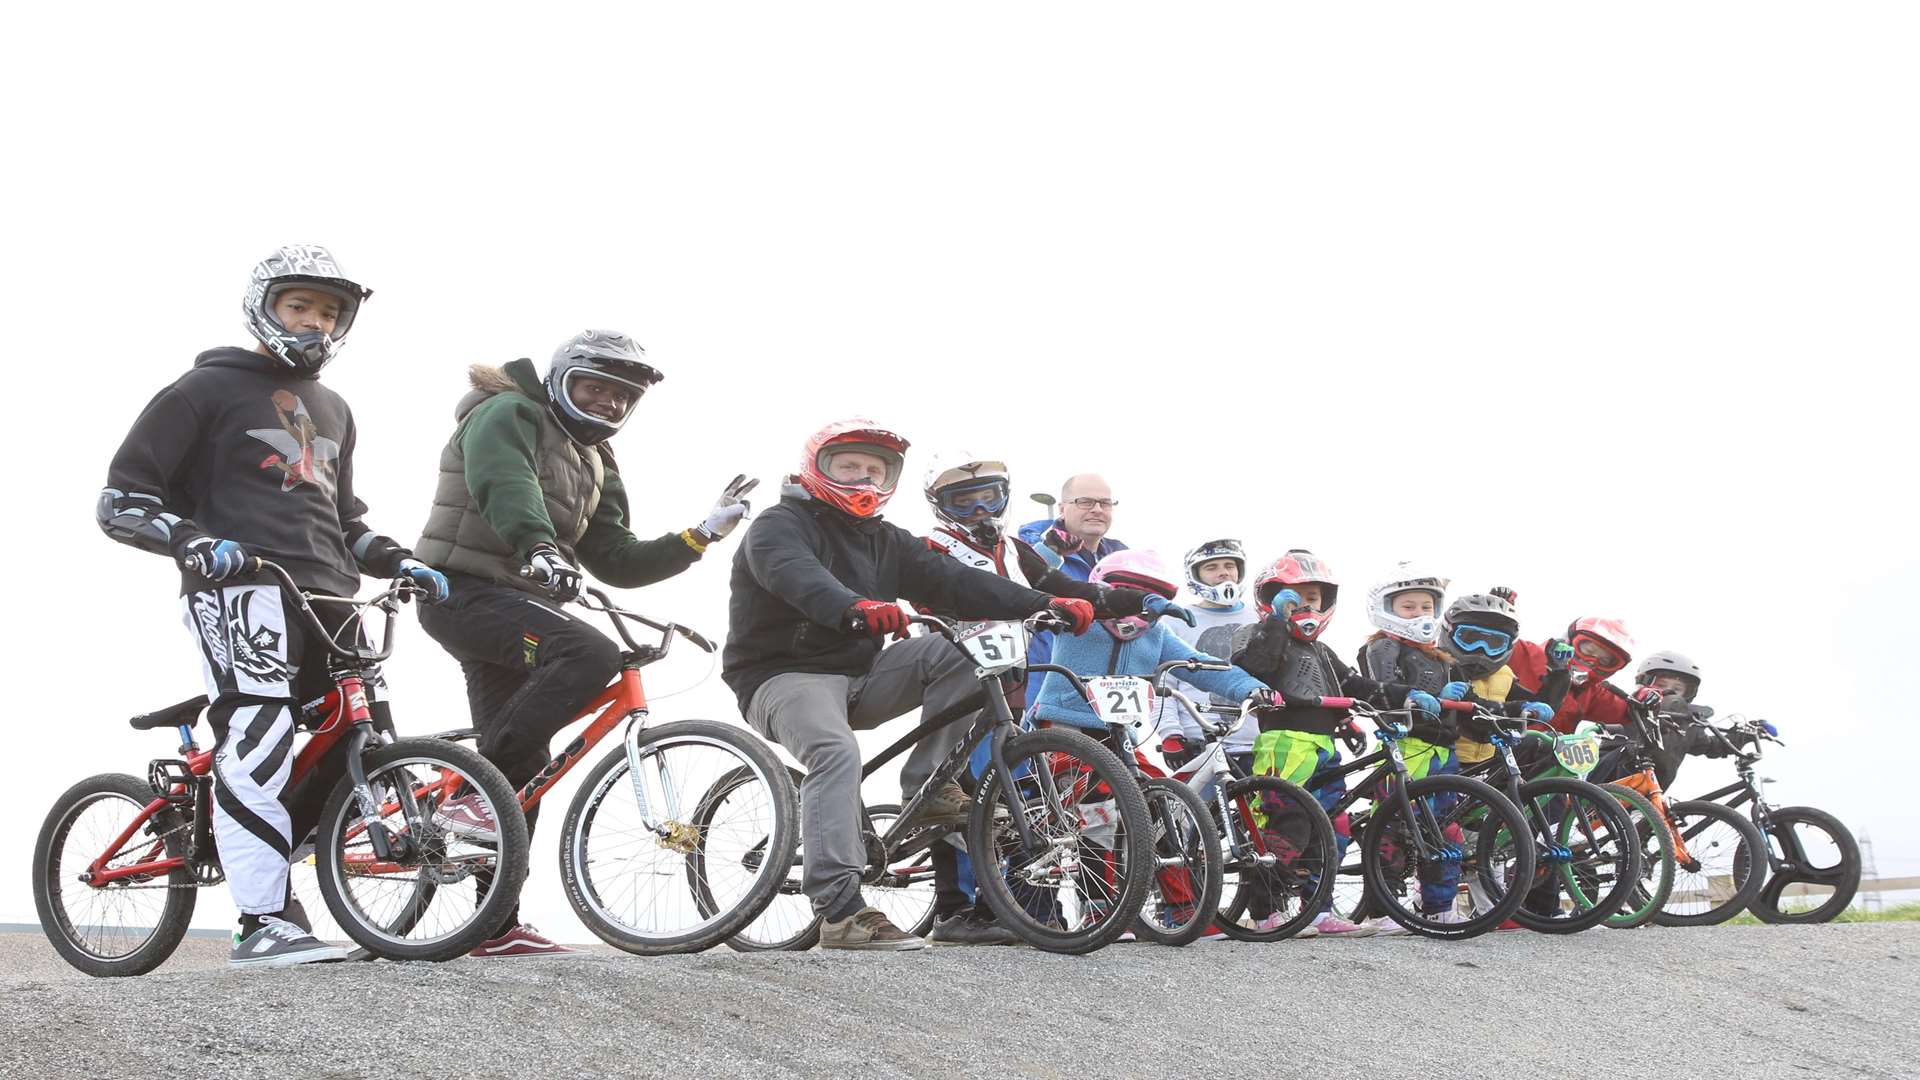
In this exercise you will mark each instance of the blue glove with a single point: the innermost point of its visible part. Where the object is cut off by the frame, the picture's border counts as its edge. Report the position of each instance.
(429, 580)
(1559, 655)
(1282, 600)
(1454, 691)
(213, 559)
(1156, 605)
(1537, 710)
(1423, 703)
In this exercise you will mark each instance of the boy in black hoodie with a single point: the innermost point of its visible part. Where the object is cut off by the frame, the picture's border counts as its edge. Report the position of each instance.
(248, 455)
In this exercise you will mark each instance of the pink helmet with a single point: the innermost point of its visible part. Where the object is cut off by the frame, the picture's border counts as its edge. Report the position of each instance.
(1141, 570)
(1600, 648)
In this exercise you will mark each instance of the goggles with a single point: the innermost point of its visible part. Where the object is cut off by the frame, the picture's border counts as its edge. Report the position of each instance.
(1481, 639)
(1598, 653)
(960, 501)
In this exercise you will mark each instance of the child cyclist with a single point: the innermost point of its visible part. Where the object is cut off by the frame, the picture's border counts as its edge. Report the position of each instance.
(1676, 678)
(1479, 632)
(1403, 657)
(1216, 570)
(248, 455)
(969, 497)
(1296, 595)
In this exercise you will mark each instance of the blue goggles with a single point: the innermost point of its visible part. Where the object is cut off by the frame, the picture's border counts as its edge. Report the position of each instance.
(1484, 640)
(962, 501)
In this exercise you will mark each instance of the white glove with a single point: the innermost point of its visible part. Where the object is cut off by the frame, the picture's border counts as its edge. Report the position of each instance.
(548, 567)
(729, 510)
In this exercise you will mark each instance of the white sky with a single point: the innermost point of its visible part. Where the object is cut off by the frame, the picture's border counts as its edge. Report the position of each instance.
(1612, 306)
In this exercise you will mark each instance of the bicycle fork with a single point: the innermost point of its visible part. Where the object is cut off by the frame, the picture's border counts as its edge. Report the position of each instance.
(666, 828)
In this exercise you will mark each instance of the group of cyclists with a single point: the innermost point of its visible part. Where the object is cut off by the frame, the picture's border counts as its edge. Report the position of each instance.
(249, 456)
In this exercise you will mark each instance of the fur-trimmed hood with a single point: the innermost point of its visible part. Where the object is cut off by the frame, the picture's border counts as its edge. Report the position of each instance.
(513, 377)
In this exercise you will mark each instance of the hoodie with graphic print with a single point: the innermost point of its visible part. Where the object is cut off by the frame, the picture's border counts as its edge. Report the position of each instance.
(244, 448)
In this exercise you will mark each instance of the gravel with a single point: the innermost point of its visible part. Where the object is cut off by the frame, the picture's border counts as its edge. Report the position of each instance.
(1734, 1002)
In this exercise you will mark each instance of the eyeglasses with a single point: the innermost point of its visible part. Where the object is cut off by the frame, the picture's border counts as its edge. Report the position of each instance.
(1085, 503)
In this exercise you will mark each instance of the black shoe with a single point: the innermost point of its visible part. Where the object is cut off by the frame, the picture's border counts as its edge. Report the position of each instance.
(969, 927)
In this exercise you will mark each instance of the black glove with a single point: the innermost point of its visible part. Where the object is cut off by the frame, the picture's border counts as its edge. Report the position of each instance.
(552, 570)
(1175, 749)
(1475, 726)
(1120, 602)
(1504, 593)
(1353, 737)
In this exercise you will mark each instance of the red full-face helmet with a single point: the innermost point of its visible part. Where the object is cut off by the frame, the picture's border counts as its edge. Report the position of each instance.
(1600, 648)
(1295, 568)
(862, 498)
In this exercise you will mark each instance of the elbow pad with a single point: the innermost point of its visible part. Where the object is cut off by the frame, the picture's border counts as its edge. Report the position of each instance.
(136, 519)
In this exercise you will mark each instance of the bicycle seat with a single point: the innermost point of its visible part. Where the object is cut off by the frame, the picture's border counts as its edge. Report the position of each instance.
(186, 712)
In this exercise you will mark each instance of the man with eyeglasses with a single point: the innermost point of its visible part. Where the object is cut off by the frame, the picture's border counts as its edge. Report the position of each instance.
(1077, 539)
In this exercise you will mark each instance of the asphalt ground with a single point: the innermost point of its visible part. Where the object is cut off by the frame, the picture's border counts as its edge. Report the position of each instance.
(1731, 1001)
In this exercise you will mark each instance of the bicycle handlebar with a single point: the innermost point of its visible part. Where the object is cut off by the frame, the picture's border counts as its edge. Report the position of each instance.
(400, 589)
(618, 615)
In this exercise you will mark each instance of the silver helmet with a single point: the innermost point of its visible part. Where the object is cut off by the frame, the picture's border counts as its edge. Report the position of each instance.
(606, 355)
(1227, 591)
(1667, 662)
(970, 493)
(1478, 631)
(1407, 577)
(300, 266)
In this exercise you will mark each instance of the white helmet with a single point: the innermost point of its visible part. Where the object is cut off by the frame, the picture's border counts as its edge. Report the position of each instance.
(1227, 591)
(970, 493)
(1668, 662)
(1407, 577)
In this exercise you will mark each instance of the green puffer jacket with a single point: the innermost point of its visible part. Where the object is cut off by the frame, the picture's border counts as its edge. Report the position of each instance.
(511, 478)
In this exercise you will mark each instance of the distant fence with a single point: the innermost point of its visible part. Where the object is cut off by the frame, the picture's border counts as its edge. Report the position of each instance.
(1871, 885)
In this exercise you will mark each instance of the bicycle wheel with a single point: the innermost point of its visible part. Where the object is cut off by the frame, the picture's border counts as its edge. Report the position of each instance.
(1278, 877)
(1183, 898)
(1461, 829)
(403, 907)
(1657, 866)
(637, 868)
(1590, 856)
(1816, 857)
(1083, 884)
(1726, 870)
(127, 927)
(787, 924)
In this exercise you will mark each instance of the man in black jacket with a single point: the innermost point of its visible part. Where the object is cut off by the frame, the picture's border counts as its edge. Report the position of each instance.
(249, 455)
(815, 586)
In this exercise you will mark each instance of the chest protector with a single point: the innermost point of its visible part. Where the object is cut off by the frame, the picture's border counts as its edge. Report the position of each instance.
(1001, 560)
(1386, 660)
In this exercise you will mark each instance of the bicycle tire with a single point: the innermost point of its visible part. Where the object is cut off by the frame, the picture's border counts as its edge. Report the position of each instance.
(1844, 877)
(751, 938)
(508, 874)
(1131, 852)
(51, 879)
(1657, 863)
(1587, 799)
(1174, 839)
(586, 895)
(1255, 887)
(1385, 873)
(1690, 819)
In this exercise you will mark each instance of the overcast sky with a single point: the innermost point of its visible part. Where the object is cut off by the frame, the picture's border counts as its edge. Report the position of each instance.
(1615, 306)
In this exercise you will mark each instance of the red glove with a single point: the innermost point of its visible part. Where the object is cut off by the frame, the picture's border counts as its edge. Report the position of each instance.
(1649, 696)
(877, 617)
(1078, 613)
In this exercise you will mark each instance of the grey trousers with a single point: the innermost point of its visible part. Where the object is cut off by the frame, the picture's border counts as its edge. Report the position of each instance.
(815, 716)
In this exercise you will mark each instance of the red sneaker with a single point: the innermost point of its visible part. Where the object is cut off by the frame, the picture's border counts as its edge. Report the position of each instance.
(522, 940)
(1509, 925)
(469, 817)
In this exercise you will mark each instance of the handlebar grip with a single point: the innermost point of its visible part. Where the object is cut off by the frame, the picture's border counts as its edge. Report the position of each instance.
(1457, 706)
(1337, 702)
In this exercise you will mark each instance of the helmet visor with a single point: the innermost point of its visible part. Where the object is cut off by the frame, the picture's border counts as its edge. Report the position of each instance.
(1598, 653)
(1484, 640)
(965, 500)
(601, 395)
(859, 464)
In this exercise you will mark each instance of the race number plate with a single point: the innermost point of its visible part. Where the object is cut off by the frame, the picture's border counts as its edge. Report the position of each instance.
(1125, 700)
(1577, 754)
(995, 646)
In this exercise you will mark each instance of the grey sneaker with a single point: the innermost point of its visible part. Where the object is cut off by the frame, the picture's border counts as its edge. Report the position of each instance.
(947, 806)
(279, 943)
(969, 927)
(470, 817)
(868, 929)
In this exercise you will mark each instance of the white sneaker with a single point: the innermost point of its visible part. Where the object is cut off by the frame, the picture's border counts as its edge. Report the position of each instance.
(279, 943)
(1327, 924)
(1385, 927)
(1450, 918)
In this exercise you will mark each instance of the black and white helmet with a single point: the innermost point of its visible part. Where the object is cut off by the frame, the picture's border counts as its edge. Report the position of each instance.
(300, 266)
(1667, 662)
(1227, 591)
(602, 354)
